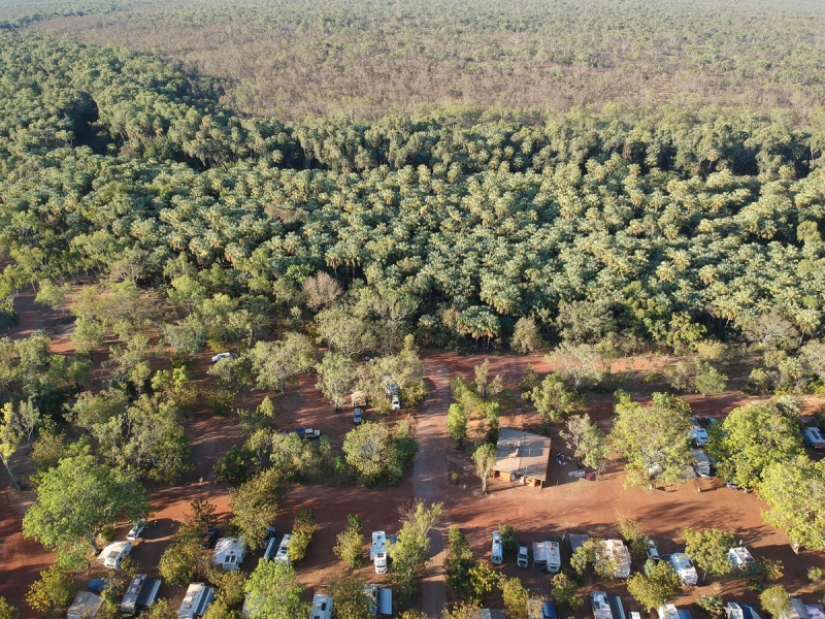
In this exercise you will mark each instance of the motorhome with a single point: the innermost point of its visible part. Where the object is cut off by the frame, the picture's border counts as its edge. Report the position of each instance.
(113, 555)
(140, 595)
(229, 553)
(497, 550)
(379, 551)
(197, 599)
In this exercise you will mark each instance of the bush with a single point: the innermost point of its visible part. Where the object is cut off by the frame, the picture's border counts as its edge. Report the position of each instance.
(508, 538)
(712, 605)
(709, 380)
(815, 574)
(302, 531)
(349, 546)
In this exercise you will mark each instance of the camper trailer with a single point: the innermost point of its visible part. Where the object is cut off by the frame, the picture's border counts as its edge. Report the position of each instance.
(379, 551)
(321, 607)
(113, 555)
(684, 568)
(283, 550)
(615, 550)
(197, 599)
(601, 605)
(229, 553)
(547, 556)
(740, 558)
(85, 606)
(141, 594)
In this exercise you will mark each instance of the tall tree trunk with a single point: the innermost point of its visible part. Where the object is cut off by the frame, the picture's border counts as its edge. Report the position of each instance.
(11, 475)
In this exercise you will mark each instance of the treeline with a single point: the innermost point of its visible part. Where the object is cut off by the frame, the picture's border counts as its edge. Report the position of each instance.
(636, 223)
(290, 59)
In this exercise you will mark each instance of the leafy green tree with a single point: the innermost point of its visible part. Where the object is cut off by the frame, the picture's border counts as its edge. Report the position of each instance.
(274, 363)
(653, 439)
(296, 458)
(349, 545)
(255, 505)
(53, 592)
(337, 375)
(750, 439)
(709, 380)
(183, 560)
(410, 553)
(457, 423)
(303, 528)
(344, 332)
(483, 580)
(372, 452)
(526, 336)
(656, 588)
(275, 592)
(566, 591)
(233, 468)
(515, 598)
(458, 563)
(582, 363)
(713, 605)
(555, 400)
(349, 599)
(586, 441)
(485, 458)
(160, 609)
(76, 499)
(795, 493)
(709, 550)
(776, 601)
(7, 611)
(11, 435)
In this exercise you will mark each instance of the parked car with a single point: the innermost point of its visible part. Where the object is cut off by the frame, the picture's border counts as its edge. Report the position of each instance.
(396, 403)
(209, 538)
(699, 436)
(812, 437)
(652, 551)
(136, 530)
(522, 558)
(97, 585)
(357, 415)
(222, 355)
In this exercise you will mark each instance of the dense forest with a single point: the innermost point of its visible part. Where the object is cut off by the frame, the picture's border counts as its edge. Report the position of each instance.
(360, 58)
(649, 217)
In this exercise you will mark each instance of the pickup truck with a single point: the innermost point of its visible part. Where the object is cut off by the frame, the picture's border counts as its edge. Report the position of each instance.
(308, 433)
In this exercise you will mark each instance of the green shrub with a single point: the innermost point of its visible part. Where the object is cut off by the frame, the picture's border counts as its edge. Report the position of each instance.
(302, 531)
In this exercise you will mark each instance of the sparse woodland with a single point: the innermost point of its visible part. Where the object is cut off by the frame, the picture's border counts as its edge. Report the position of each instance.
(313, 186)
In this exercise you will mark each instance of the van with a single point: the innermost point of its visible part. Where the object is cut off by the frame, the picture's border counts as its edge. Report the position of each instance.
(497, 551)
